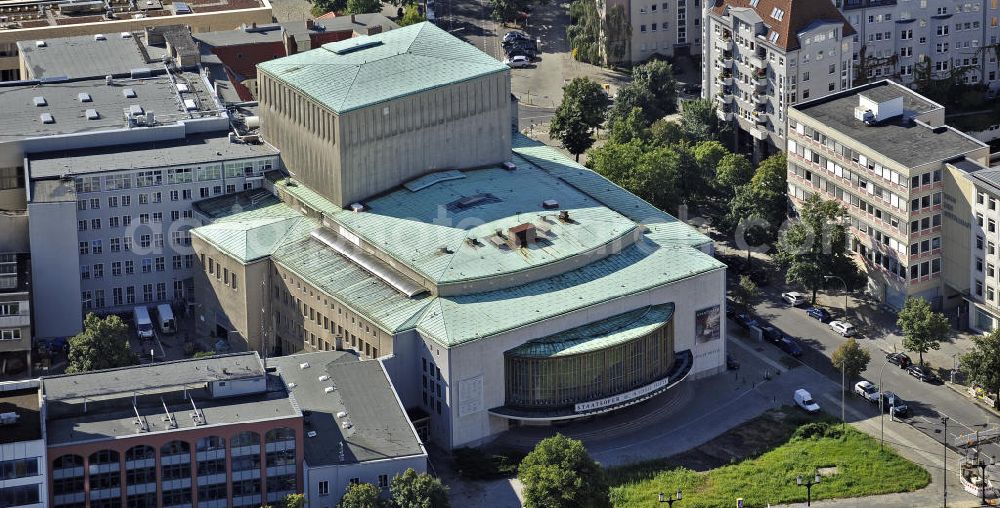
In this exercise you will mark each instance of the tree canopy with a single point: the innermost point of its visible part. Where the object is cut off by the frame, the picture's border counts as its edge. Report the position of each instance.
(584, 31)
(923, 329)
(747, 294)
(360, 495)
(559, 473)
(700, 123)
(816, 246)
(418, 490)
(583, 109)
(363, 6)
(320, 7)
(411, 16)
(103, 344)
(732, 171)
(981, 364)
(852, 358)
(623, 130)
(652, 90)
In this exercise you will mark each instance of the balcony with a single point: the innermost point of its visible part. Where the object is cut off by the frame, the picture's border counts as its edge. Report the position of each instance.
(755, 61)
(758, 133)
(726, 59)
(724, 42)
(759, 117)
(724, 78)
(725, 96)
(760, 99)
(724, 113)
(760, 77)
(18, 320)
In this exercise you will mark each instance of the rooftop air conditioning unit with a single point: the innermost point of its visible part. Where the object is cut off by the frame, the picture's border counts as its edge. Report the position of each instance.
(328, 389)
(311, 433)
(304, 365)
(100, 37)
(324, 377)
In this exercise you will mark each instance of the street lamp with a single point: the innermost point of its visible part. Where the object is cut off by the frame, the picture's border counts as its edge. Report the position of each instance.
(944, 420)
(982, 465)
(808, 484)
(828, 277)
(881, 403)
(671, 499)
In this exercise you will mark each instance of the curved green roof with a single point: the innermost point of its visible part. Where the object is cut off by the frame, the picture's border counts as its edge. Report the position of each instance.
(598, 335)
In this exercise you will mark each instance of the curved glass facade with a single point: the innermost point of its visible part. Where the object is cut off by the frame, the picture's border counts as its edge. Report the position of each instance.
(592, 362)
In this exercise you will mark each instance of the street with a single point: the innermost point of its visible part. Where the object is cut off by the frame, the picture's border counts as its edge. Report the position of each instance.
(928, 403)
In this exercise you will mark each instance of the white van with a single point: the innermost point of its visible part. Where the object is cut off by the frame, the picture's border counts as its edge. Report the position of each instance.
(143, 325)
(165, 315)
(805, 401)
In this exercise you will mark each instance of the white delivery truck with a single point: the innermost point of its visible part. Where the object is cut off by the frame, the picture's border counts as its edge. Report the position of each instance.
(143, 325)
(165, 315)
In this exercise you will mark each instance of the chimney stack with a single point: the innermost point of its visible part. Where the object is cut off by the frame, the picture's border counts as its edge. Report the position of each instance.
(309, 24)
(353, 19)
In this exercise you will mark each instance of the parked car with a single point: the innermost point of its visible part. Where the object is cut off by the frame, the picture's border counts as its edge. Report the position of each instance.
(891, 403)
(788, 345)
(770, 332)
(922, 373)
(731, 307)
(899, 359)
(817, 313)
(842, 327)
(521, 43)
(804, 400)
(745, 320)
(867, 391)
(515, 35)
(517, 61)
(794, 298)
(731, 363)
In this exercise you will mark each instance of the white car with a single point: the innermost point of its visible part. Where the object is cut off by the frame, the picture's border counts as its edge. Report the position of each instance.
(867, 390)
(804, 400)
(517, 61)
(794, 298)
(842, 327)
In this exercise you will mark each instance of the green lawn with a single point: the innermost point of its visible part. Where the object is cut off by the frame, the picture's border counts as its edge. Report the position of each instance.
(862, 470)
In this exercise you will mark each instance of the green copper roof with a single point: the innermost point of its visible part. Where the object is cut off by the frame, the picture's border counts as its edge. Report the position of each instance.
(455, 320)
(367, 70)
(598, 335)
(255, 233)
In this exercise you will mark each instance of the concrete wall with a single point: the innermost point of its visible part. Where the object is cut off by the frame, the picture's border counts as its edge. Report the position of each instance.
(338, 477)
(55, 274)
(646, 42)
(483, 359)
(14, 230)
(350, 157)
(240, 304)
(959, 230)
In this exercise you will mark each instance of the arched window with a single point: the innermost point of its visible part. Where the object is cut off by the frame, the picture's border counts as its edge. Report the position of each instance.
(175, 448)
(245, 438)
(280, 434)
(211, 443)
(103, 457)
(140, 452)
(67, 461)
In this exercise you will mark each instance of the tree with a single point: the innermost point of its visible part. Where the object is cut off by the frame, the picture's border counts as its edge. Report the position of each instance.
(413, 490)
(700, 123)
(747, 294)
(708, 154)
(411, 16)
(558, 473)
(584, 31)
(852, 358)
(103, 344)
(982, 363)
(617, 32)
(732, 171)
(657, 77)
(360, 495)
(623, 130)
(321, 7)
(295, 501)
(816, 246)
(665, 133)
(363, 6)
(751, 230)
(582, 110)
(650, 173)
(923, 329)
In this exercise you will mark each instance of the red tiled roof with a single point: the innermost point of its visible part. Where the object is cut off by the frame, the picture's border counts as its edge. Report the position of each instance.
(798, 14)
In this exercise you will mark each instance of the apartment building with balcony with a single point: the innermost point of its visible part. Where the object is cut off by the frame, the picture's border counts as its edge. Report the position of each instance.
(884, 152)
(763, 55)
(894, 36)
(670, 29)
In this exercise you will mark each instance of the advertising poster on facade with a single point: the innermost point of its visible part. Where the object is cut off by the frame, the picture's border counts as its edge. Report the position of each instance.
(708, 324)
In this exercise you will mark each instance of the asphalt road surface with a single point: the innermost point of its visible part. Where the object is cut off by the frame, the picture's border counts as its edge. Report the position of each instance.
(928, 403)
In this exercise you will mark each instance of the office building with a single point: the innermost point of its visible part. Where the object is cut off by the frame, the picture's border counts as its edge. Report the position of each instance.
(884, 152)
(358, 433)
(462, 256)
(894, 37)
(37, 21)
(761, 56)
(667, 29)
(23, 460)
(15, 314)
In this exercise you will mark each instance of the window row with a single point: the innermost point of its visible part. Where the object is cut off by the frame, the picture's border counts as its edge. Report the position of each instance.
(149, 178)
